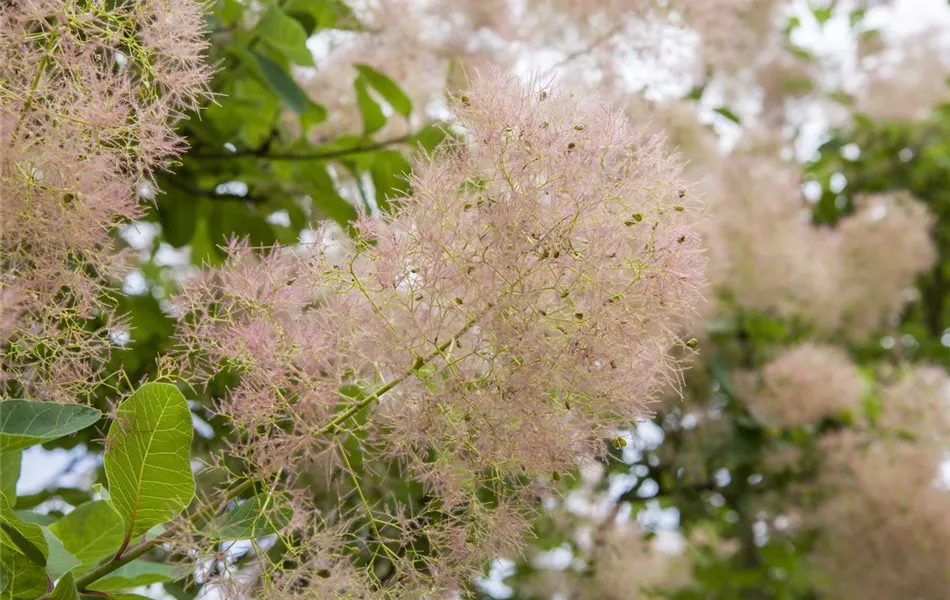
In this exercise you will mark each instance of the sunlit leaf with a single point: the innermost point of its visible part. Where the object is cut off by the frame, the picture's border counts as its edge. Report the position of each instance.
(148, 457)
(18, 535)
(21, 578)
(65, 589)
(60, 560)
(10, 472)
(326, 14)
(91, 532)
(260, 515)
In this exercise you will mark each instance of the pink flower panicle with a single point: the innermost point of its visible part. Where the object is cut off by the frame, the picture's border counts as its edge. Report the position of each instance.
(522, 303)
(804, 384)
(884, 524)
(766, 255)
(90, 96)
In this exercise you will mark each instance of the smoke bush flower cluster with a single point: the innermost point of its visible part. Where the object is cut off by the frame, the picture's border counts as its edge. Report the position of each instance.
(766, 255)
(90, 93)
(629, 567)
(917, 404)
(756, 250)
(517, 308)
(884, 527)
(804, 384)
(881, 249)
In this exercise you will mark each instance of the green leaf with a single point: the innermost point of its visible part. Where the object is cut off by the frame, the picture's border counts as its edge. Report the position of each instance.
(102, 490)
(10, 472)
(155, 532)
(16, 534)
(230, 11)
(20, 578)
(314, 115)
(800, 52)
(822, 14)
(726, 112)
(325, 197)
(176, 213)
(387, 89)
(857, 16)
(430, 136)
(91, 532)
(60, 560)
(65, 589)
(36, 518)
(721, 373)
(306, 20)
(248, 116)
(327, 14)
(24, 423)
(282, 84)
(390, 173)
(373, 117)
(229, 219)
(148, 457)
(842, 97)
(286, 35)
(136, 573)
(261, 515)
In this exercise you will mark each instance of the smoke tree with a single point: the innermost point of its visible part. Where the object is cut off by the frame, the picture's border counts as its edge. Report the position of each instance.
(342, 304)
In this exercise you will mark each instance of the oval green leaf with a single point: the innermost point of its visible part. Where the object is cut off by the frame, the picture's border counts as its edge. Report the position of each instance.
(21, 578)
(148, 457)
(91, 532)
(60, 560)
(373, 117)
(10, 472)
(24, 423)
(282, 84)
(261, 515)
(387, 89)
(19, 536)
(136, 573)
(286, 35)
(65, 589)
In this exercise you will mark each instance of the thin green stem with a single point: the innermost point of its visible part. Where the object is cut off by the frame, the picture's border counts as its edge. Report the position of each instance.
(420, 362)
(28, 105)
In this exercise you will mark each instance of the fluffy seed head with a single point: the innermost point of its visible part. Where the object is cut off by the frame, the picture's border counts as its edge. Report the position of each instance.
(804, 384)
(90, 95)
(517, 307)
